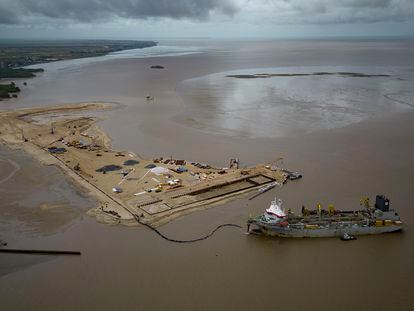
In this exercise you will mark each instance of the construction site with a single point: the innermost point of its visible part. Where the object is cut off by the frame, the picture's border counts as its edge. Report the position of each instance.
(128, 187)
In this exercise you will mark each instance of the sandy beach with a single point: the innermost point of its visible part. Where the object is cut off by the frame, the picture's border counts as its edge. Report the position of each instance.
(340, 164)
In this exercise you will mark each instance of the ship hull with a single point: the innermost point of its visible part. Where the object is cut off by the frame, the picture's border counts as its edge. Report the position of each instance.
(287, 232)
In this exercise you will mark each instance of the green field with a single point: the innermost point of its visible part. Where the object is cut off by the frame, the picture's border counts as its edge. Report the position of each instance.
(20, 53)
(6, 89)
(18, 72)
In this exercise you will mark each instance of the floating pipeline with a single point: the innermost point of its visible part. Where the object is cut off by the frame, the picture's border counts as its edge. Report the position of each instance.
(191, 240)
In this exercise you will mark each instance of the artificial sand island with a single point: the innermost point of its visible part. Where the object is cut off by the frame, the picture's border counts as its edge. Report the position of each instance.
(129, 189)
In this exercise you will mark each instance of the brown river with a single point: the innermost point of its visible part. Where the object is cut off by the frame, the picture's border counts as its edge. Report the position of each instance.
(349, 136)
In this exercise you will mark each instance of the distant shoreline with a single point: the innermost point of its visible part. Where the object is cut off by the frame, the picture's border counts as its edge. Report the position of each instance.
(15, 56)
(27, 53)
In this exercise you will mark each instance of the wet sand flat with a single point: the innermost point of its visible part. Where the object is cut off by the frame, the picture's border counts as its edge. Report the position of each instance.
(37, 202)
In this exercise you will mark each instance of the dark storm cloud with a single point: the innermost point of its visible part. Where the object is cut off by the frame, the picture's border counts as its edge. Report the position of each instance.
(346, 11)
(7, 16)
(326, 11)
(15, 11)
(256, 11)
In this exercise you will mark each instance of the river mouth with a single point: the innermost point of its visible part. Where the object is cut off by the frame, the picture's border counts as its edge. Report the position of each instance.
(123, 267)
(275, 102)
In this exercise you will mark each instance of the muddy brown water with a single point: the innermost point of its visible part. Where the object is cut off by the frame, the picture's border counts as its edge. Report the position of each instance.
(131, 268)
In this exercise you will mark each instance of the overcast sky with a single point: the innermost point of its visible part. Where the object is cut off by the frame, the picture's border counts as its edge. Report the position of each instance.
(204, 18)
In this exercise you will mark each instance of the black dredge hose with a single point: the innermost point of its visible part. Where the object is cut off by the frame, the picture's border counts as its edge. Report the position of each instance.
(192, 240)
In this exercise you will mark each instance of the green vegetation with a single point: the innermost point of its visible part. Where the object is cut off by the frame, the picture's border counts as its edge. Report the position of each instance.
(18, 72)
(362, 75)
(342, 74)
(15, 54)
(6, 89)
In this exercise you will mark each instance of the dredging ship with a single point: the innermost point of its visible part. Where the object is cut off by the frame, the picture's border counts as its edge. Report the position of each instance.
(380, 218)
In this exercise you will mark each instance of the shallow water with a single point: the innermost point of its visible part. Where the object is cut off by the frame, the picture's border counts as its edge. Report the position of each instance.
(278, 106)
(37, 200)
